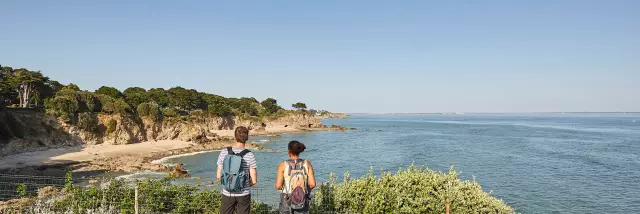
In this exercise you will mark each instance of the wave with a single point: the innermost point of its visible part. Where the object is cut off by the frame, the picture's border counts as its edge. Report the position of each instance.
(165, 159)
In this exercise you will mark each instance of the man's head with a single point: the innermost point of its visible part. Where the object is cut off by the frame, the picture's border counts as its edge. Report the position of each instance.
(242, 134)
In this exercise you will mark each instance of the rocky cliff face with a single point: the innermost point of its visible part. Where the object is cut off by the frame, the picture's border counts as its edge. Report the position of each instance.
(30, 130)
(22, 131)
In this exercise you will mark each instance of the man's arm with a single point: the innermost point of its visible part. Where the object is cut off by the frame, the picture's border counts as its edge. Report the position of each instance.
(252, 168)
(219, 173)
(254, 176)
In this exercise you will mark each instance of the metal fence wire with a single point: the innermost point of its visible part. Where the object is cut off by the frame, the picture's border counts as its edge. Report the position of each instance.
(21, 194)
(44, 194)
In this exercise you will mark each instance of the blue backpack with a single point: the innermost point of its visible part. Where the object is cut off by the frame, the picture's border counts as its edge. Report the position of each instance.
(233, 175)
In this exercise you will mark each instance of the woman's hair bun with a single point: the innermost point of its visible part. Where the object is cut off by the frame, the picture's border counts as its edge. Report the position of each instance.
(295, 147)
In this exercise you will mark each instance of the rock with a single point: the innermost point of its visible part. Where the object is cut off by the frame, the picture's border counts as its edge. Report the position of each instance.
(201, 139)
(353, 129)
(48, 192)
(178, 172)
(260, 130)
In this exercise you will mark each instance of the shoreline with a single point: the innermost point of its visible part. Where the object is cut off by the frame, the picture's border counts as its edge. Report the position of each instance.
(96, 160)
(164, 159)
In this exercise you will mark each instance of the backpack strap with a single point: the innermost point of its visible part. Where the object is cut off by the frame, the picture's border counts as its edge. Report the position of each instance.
(243, 152)
(230, 151)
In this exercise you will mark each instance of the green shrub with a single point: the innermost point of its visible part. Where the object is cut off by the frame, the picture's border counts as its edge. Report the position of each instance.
(88, 121)
(63, 107)
(143, 109)
(111, 126)
(414, 190)
(154, 196)
(21, 190)
(106, 103)
(170, 112)
(121, 107)
(151, 110)
(220, 110)
(88, 101)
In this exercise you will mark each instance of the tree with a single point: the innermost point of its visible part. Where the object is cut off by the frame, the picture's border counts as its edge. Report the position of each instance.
(49, 89)
(299, 106)
(158, 95)
(151, 110)
(7, 94)
(135, 95)
(109, 91)
(184, 99)
(72, 87)
(26, 83)
(270, 105)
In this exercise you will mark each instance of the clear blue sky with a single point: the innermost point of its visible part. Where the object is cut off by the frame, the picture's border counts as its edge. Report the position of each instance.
(349, 56)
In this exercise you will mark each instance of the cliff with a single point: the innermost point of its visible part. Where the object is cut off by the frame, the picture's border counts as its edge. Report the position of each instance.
(22, 131)
(26, 130)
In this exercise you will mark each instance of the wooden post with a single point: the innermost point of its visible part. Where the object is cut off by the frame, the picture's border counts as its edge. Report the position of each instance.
(136, 199)
(448, 207)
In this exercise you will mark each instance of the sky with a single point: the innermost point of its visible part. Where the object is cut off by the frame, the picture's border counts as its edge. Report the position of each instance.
(343, 56)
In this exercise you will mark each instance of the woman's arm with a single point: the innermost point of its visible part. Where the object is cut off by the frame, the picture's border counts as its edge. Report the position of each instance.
(311, 178)
(280, 176)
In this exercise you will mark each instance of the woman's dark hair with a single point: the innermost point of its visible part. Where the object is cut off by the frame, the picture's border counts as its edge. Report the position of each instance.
(295, 147)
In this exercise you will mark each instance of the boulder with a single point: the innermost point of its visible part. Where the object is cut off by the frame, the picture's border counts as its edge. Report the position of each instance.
(178, 172)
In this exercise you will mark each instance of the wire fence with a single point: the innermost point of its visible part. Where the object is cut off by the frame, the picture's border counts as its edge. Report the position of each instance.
(12, 186)
(21, 194)
(44, 194)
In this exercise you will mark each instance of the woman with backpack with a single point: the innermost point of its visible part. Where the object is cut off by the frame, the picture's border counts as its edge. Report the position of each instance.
(295, 180)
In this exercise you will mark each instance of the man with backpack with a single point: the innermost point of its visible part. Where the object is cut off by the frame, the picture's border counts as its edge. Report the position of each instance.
(237, 174)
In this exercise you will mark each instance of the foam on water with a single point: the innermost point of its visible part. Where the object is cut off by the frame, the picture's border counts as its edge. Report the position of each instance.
(165, 160)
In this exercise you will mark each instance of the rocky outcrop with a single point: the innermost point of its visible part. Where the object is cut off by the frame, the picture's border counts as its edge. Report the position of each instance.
(297, 120)
(24, 131)
(178, 172)
(28, 130)
(334, 116)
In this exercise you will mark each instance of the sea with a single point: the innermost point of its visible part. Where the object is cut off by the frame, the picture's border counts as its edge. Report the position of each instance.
(536, 163)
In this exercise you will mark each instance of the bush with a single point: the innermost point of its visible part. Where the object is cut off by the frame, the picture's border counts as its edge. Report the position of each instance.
(109, 91)
(88, 102)
(170, 112)
(106, 103)
(121, 107)
(150, 109)
(88, 121)
(155, 196)
(111, 126)
(63, 107)
(220, 110)
(414, 190)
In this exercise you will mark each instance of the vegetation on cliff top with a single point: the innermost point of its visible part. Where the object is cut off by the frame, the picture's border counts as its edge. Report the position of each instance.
(24, 88)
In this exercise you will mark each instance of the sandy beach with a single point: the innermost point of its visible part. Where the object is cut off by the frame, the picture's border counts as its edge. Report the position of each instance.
(88, 153)
(102, 152)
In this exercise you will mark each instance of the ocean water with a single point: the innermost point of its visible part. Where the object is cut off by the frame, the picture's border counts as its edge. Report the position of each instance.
(536, 163)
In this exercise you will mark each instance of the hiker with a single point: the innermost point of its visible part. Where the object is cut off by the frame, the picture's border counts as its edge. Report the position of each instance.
(295, 180)
(237, 174)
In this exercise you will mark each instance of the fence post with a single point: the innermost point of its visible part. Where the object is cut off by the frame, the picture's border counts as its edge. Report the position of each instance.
(448, 206)
(136, 199)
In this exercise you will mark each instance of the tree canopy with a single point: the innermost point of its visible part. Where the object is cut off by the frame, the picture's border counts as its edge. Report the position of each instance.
(27, 88)
(109, 91)
(270, 105)
(299, 106)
